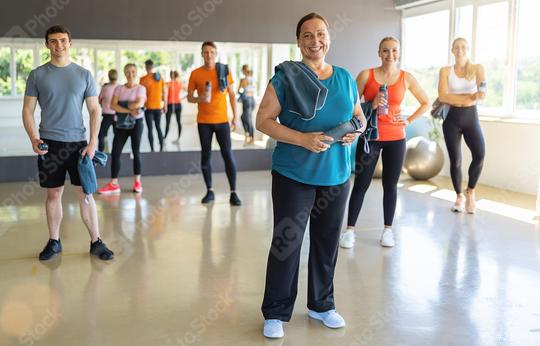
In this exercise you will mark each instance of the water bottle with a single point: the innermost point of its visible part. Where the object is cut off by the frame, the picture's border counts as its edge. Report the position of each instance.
(208, 91)
(338, 132)
(483, 87)
(383, 110)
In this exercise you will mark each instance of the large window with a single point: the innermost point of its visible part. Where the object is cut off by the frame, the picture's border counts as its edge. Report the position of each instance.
(18, 58)
(528, 57)
(492, 49)
(5, 71)
(503, 37)
(106, 60)
(24, 61)
(420, 59)
(464, 22)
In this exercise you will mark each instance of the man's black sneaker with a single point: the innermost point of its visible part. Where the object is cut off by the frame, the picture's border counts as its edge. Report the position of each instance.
(52, 248)
(208, 198)
(99, 249)
(234, 200)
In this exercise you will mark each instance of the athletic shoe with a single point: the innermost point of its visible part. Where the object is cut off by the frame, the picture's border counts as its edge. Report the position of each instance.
(387, 238)
(347, 239)
(137, 186)
(234, 200)
(470, 204)
(459, 205)
(52, 248)
(329, 318)
(109, 188)
(273, 329)
(99, 249)
(209, 197)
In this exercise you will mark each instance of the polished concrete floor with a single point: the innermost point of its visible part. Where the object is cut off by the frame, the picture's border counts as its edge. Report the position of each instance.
(186, 274)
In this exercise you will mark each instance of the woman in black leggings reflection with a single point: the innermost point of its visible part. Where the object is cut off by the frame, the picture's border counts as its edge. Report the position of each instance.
(461, 86)
(134, 95)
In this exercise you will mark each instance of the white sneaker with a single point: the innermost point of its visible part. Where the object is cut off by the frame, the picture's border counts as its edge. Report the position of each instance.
(329, 318)
(387, 238)
(273, 329)
(347, 239)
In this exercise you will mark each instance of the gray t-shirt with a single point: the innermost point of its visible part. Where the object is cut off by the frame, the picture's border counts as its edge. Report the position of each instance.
(61, 92)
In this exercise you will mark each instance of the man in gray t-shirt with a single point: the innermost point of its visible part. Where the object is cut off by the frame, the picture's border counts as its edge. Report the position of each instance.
(61, 92)
(61, 87)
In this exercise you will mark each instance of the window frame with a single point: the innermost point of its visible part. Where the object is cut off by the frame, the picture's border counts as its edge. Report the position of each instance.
(256, 52)
(509, 107)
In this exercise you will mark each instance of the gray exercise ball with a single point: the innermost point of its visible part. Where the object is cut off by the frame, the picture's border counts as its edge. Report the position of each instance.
(424, 158)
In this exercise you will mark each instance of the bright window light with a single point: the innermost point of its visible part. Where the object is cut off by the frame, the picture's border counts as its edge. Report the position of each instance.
(422, 188)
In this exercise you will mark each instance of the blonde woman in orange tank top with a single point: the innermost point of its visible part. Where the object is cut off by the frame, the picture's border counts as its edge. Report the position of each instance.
(391, 142)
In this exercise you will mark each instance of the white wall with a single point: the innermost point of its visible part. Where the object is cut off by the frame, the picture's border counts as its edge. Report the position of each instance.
(512, 156)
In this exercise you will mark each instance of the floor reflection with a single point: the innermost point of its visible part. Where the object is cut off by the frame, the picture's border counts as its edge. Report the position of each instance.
(188, 274)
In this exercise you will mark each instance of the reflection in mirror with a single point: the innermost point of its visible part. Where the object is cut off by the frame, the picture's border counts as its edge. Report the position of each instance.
(99, 56)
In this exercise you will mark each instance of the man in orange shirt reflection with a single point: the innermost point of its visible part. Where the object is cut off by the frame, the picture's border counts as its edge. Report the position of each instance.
(212, 117)
(155, 102)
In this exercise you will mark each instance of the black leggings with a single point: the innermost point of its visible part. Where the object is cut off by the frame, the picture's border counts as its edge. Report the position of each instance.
(294, 204)
(175, 108)
(248, 104)
(393, 154)
(464, 121)
(120, 138)
(223, 136)
(154, 116)
(106, 121)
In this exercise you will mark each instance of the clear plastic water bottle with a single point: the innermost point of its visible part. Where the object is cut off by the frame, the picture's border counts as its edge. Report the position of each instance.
(208, 91)
(383, 110)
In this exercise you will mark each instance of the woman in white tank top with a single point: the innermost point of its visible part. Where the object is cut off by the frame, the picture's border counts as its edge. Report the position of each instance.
(461, 86)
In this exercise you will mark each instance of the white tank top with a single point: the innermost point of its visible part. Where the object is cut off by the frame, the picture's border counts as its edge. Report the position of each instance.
(457, 85)
(250, 87)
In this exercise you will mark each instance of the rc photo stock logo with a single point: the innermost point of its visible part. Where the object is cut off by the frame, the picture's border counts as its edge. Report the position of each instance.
(38, 22)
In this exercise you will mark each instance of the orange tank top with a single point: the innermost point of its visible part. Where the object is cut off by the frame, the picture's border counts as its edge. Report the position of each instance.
(174, 90)
(388, 131)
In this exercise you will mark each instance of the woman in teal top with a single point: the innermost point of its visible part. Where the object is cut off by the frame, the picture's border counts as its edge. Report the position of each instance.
(310, 181)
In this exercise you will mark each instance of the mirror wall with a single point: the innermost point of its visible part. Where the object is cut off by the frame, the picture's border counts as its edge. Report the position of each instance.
(18, 56)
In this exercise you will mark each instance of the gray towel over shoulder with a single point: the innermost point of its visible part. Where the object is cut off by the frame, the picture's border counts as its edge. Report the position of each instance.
(305, 92)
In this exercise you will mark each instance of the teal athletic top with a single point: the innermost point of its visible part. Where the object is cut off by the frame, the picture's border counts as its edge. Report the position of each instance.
(328, 168)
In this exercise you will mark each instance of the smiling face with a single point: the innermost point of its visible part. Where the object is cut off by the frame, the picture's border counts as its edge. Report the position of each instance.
(389, 52)
(58, 44)
(209, 55)
(460, 49)
(130, 72)
(314, 39)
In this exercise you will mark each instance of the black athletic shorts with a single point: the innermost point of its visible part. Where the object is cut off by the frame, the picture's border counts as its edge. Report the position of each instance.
(61, 157)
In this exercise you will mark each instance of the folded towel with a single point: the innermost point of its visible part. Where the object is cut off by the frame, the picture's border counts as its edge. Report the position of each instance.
(439, 110)
(222, 76)
(305, 92)
(87, 172)
(372, 131)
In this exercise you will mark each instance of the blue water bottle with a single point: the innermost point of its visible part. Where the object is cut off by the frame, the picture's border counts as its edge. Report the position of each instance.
(383, 110)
